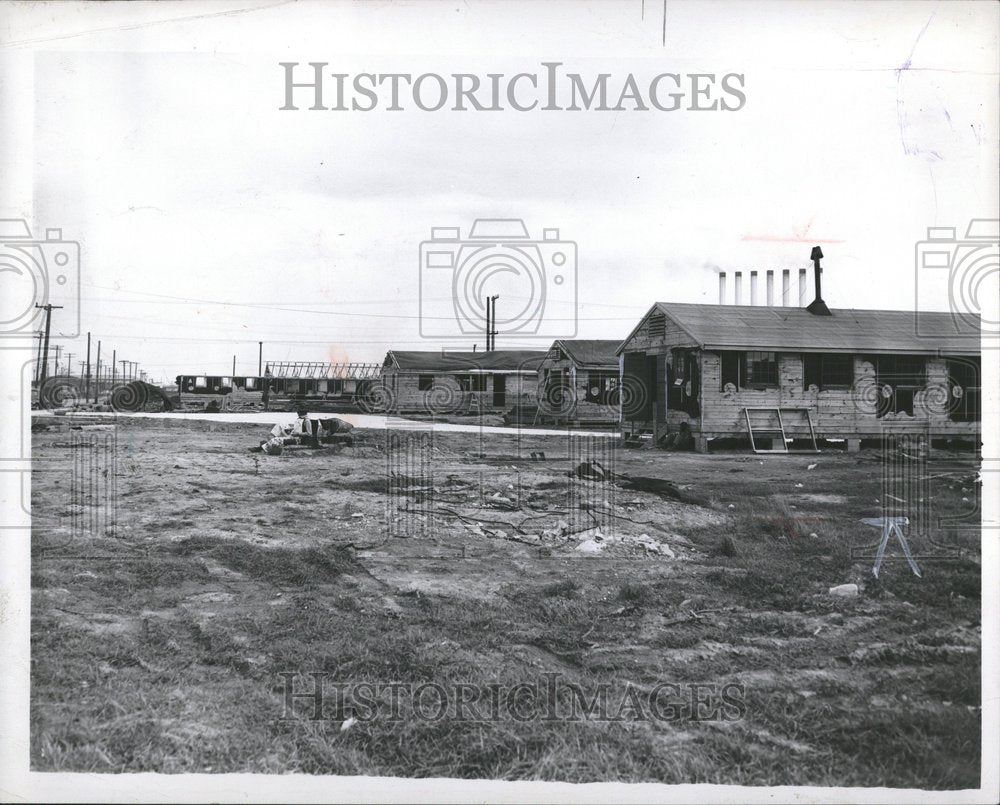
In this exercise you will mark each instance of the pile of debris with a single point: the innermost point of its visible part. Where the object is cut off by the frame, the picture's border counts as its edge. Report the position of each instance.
(308, 432)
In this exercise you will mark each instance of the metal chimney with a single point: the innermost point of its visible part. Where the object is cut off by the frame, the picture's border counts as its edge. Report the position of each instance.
(803, 288)
(770, 289)
(753, 287)
(738, 287)
(722, 287)
(818, 307)
(785, 288)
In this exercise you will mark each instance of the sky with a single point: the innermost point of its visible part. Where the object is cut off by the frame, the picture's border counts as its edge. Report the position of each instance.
(209, 219)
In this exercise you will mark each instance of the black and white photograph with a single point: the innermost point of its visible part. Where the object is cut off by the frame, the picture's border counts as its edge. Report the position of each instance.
(500, 401)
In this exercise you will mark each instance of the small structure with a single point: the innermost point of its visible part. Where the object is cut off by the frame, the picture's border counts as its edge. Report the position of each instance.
(459, 382)
(578, 384)
(773, 374)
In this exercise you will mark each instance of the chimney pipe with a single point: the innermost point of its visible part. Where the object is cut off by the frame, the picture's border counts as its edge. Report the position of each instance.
(737, 286)
(722, 287)
(803, 287)
(818, 307)
(770, 289)
(753, 287)
(785, 287)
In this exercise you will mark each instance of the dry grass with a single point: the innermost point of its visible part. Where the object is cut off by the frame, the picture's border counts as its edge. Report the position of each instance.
(167, 655)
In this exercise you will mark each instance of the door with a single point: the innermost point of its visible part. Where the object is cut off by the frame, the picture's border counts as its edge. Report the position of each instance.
(499, 391)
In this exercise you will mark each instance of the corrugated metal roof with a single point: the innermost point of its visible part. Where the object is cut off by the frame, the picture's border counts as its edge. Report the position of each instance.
(785, 328)
(591, 352)
(500, 360)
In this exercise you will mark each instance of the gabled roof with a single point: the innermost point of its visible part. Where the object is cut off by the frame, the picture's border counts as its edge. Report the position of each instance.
(794, 328)
(500, 360)
(590, 352)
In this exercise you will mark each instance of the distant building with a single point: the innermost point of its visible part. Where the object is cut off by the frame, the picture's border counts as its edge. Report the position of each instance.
(578, 383)
(777, 373)
(459, 382)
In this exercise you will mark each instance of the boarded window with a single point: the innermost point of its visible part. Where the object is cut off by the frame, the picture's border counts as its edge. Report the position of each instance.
(761, 370)
(827, 370)
(425, 382)
(479, 382)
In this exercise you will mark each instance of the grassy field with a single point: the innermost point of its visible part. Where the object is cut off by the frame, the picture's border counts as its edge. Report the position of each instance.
(168, 642)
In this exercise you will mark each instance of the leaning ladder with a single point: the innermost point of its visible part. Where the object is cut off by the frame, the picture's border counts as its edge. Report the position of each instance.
(767, 429)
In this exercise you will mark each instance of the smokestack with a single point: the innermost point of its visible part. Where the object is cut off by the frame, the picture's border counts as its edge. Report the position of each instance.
(818, 307)
(770, 289)
(722, 287)
(785, 288)
(753, 287)
(738, 287)
(803, 288)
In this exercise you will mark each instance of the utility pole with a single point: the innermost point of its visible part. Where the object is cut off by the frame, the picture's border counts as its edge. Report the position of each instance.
(260, 356)
(38, 361)
(488, 328)
(55, 367)
(86, 394)
(48, 327)
(69, 363)
(234, 366)
(124, 373)
(492, 301)
(97, 383)
(114, 366)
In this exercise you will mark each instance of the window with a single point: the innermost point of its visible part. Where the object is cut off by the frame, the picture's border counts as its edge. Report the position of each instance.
(601, 387)
(464, 382)
(731, 366)
(903, 375)
(963, 389)
(201, 382)
(251, 383)
(761, 370)
(479, 382)
(425, 382)
(827, 370)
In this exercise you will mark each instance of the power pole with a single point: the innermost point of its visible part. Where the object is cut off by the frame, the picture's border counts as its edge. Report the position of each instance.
(69, 363)
(114, 366)
(55, 366)
(48, 327)
(38, 361)
(234, 365)
(260, 356)
(492, 302)
(86, 394)
(97, 383)
(124, 373)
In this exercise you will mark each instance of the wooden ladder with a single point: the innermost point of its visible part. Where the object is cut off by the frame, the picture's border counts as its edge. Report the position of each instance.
(767, 422)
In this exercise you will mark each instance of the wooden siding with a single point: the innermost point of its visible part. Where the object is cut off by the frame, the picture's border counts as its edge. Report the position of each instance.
(582, 410)
(446, 395)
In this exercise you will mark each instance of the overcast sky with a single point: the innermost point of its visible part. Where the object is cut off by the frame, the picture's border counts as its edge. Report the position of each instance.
(209, 220)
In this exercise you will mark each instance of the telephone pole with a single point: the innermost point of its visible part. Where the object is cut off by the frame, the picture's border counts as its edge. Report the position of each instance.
(114, 366)
(69, 363)
(97, 383)
(48, 327)
(38, 361)
(86, 393)
(260, 356)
